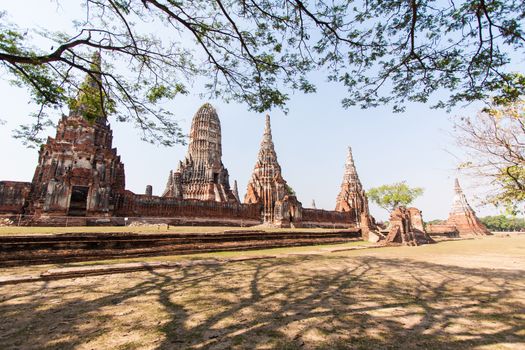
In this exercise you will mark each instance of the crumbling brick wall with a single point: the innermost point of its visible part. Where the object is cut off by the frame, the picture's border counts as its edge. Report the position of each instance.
(135, 205)
(327, 218)
(13, 196)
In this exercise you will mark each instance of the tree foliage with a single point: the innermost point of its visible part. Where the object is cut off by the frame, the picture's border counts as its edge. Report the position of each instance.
(436, 222)
(391, 196)
(494, 142)
(255, 51)
(504, 223)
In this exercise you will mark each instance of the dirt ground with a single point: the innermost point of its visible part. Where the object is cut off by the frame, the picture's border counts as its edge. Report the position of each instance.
(453, 295)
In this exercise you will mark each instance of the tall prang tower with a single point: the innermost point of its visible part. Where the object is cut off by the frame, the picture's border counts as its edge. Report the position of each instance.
(202, 175)
(79, 172)
(268, 188)
(352, 197)
(463, 217)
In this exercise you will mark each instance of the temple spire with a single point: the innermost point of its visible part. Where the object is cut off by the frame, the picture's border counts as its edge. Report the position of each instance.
(350, 174)
(202, 174)
(205, 144)
(94, 79)
(268, 127)
(352, 197)
(267, 147)
(459, 204)
(266, 185)
(462, 216)
(90, 102)
(236, 190)
(457, 187)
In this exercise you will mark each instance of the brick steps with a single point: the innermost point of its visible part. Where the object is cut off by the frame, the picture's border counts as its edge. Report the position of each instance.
(28, 250)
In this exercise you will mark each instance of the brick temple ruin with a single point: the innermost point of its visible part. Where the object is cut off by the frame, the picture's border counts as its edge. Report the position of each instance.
(462, 220)
(267, 187)
(352, 197)
(407, 228)
(202, 175)
(80, 179)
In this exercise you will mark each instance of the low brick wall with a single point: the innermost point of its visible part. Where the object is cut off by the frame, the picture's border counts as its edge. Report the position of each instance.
(442, 230)
(327, 219)
(44, 249)
(154, 209)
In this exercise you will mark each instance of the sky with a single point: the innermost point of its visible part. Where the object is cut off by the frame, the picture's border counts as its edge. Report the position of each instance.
(311, 141)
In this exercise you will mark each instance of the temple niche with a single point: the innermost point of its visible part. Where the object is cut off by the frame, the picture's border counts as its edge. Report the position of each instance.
(79, 172)
(352, 196)
(267, 187)
(202, 175)
(463, 217)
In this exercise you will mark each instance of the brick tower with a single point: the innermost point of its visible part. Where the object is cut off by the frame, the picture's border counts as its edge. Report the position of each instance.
(78, 171)
(268, 188)
(202, 175)
(463, 217)
(352, 197)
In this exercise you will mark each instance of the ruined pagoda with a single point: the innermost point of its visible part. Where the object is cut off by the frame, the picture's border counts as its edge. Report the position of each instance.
(463, 217)
(202, 175)
(79, 172)
(268, 188)
(352, 197)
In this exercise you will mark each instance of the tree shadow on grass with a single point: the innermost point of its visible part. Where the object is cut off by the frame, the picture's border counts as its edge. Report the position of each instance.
(301, 302)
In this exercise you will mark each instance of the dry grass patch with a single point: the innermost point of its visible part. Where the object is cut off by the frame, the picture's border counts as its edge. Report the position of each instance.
(374, 299)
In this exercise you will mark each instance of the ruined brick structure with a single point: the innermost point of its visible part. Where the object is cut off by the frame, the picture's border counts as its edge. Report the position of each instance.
(202, 175)
(406, 228)
(442, 230)
(462, 217)
(175, 211)
(267, 187)
(352, 196)
(13, 196)
(79, 172)
(311, 217)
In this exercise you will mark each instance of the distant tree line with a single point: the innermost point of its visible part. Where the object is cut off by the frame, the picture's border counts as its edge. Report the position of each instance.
(504, 223)
(494, 223)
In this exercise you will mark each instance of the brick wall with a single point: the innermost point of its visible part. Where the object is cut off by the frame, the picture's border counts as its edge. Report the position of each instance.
(13, 196)
(326, 218)
(186, 211)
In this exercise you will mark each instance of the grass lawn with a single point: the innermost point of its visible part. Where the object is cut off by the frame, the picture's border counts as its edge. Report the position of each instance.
(453, 295)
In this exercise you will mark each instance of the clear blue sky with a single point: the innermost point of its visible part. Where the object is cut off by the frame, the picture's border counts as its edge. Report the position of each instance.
(311, 141)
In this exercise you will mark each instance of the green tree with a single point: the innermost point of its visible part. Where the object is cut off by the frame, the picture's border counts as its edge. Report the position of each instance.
(255, 51)
(290, 190)
(390, 197)
(436, 222)
(503, 223)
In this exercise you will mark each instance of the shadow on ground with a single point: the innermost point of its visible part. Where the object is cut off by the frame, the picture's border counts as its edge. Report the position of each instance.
(307, 302)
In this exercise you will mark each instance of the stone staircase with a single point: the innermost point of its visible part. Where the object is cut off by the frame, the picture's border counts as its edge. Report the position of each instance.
(42, 249)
